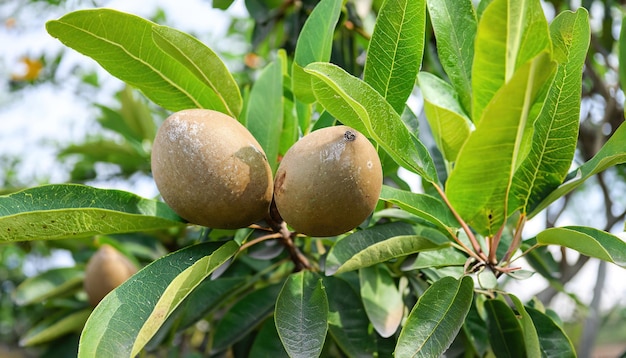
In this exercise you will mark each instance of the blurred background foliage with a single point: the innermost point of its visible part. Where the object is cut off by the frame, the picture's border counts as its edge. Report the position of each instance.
(121, 123)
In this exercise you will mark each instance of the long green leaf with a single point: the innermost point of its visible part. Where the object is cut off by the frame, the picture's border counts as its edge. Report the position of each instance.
(588, 241)
(552, 339)
(314, 45)
(54, 327)
(479, 184)
(622, 56)
(510, 33)
(422, 205)
(244, 316)
(436, 318)
(448, 122)
(394, 54)
(347, 322)
(203, 63)
(127, 318)
(381, 299)
(48, 284)
(531, 340)
(454, 23)
(612, 153)
(60, 211)
(105, 36)
(302, 315)
(264, 115)
(556, 128)
(379, 244)
(505, 332)
(358, 105)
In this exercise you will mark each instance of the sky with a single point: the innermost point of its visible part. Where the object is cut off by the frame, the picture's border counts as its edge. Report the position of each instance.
(42, 118)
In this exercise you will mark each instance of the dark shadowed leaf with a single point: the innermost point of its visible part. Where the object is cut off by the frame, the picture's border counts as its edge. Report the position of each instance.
(505, 332)
(60, 211)
(267, 344)
(244, 316)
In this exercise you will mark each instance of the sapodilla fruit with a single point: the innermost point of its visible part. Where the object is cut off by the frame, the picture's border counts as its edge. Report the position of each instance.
(106, 270)
(328, 182)
(210, 170)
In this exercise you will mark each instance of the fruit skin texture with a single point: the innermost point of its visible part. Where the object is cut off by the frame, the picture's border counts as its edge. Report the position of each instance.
(210, 170)
(106, 270)
(328, 182)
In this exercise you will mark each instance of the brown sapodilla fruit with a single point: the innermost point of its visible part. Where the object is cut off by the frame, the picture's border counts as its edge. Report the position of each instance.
(211, 170)
(328, 182)
(106, 270)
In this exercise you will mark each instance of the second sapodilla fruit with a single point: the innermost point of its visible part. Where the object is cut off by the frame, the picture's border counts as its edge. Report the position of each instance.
(328, 182)
(210, 169)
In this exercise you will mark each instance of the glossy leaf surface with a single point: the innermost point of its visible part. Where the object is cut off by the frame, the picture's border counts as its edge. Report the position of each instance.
(422, 205)
(130, 315)
(436, 318)
(553, 340)
(479, 184)
(556, 129)
(395, 50)
(102, 34)
(505, 333)
(454, 23)
(588, 241)
(60, 211)
(302, 315)
(379, 244)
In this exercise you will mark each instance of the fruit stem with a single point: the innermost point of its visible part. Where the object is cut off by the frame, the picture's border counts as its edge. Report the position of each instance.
(259, 239)
(279, 226)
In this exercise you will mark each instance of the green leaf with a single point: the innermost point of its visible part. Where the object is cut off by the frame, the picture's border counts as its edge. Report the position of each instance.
(444, 257)
(531, 340)
(54, 327)
(510, 33)
(314, 45)
(454, 23)
(382, 299)
(267, 342)
(265, 111)
(394, 54)
(423, 205)
(358, 105)
(48, 284)
(379, 244)
(203, 63)
(479, 184)
(73, 211)
(436, 318)
(622, 56)
(448, 122)
(302, 315)
(612, 153)
(556, 128)
(553, 340)
(588, 241)
(103, 34)
(505, 332)
(244, 316)
(347, 322)
(128, 317)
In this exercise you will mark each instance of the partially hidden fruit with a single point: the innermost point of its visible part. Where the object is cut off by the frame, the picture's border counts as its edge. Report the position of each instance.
(328, 182)
(210, 170)
(106, 270)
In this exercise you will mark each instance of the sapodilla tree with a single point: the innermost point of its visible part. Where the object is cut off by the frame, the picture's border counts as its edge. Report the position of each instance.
(210, 170)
